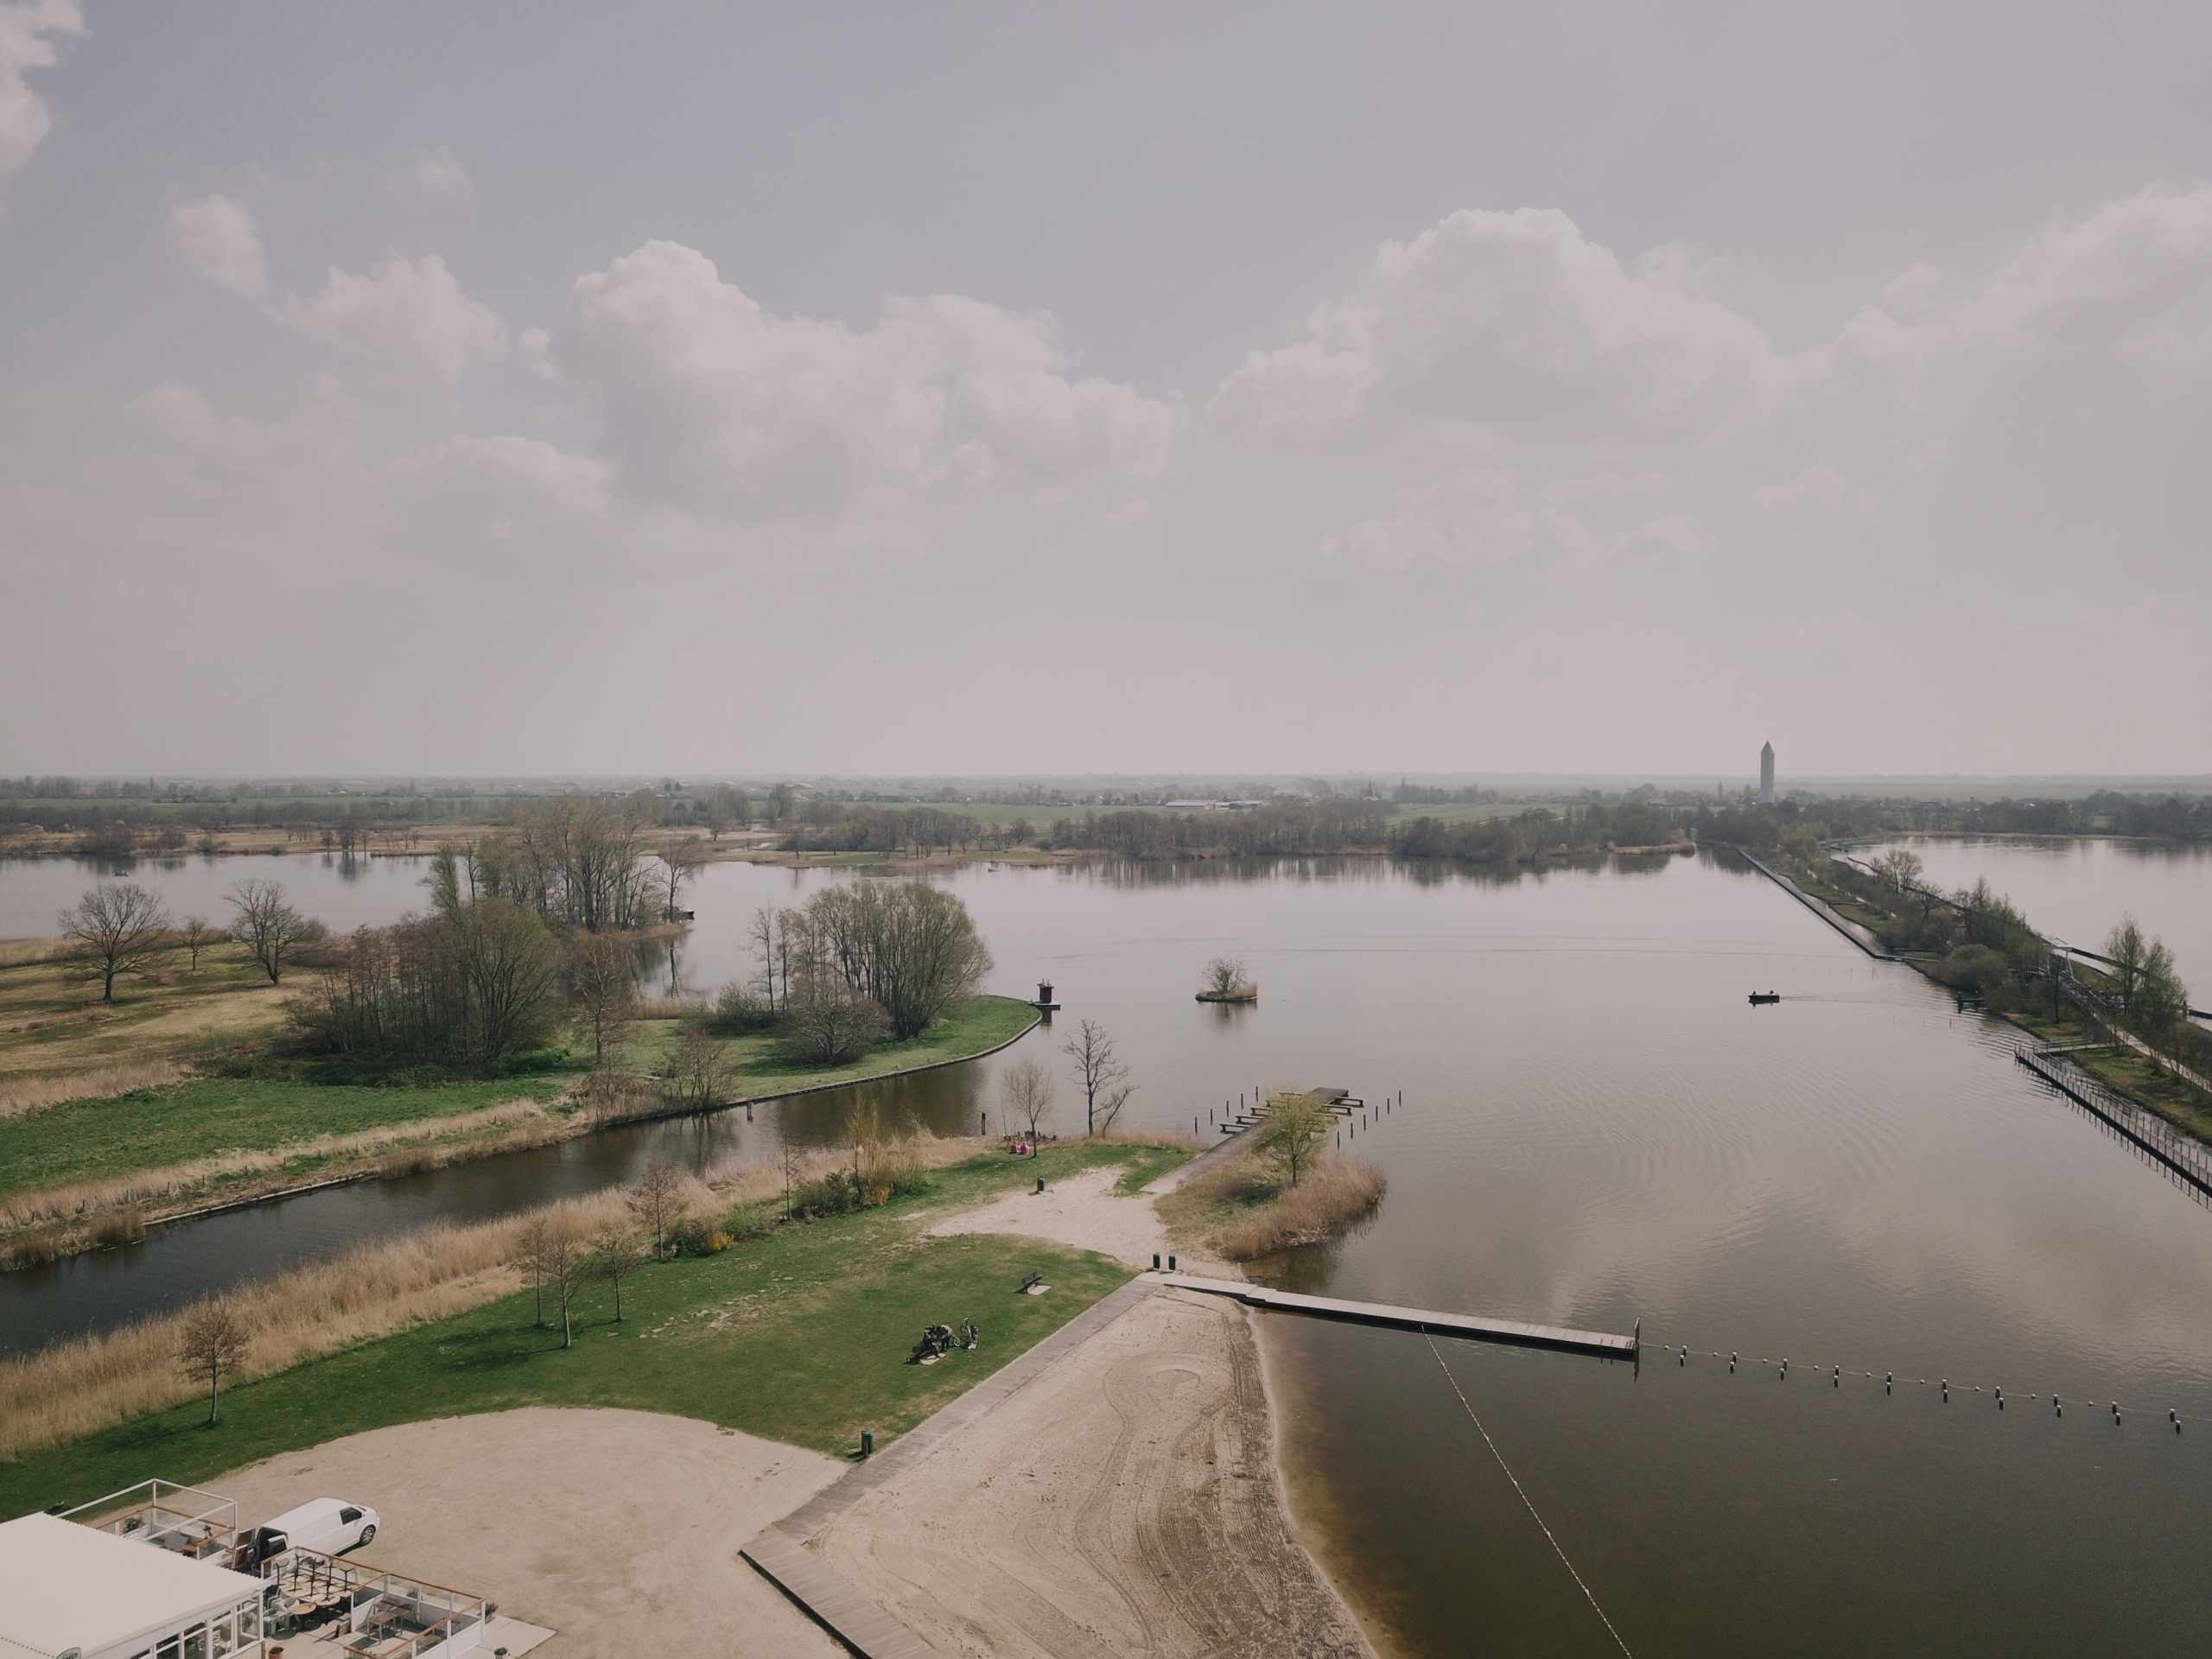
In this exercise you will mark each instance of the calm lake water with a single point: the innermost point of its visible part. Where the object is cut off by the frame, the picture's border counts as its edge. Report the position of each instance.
(1596, 1130)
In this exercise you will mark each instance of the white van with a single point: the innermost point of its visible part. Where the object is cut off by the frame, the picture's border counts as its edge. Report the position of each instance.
(327, 1524)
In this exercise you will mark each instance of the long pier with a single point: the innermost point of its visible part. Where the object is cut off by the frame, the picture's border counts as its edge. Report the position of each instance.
(2185, 1159)
(1827, 913)
(1519, 1334)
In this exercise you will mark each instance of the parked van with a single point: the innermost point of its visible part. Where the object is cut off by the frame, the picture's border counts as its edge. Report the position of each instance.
(328, 1524)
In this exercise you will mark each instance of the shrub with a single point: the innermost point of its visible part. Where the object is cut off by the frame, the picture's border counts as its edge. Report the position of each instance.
(738, 1011)
(1975, 968)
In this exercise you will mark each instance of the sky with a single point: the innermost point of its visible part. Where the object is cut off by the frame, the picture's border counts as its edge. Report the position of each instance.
(504, 389)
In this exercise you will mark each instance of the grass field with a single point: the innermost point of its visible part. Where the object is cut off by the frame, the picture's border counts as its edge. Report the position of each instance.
(153, 1129)
(53, 1022)
(801, 1336)
(767, 1067)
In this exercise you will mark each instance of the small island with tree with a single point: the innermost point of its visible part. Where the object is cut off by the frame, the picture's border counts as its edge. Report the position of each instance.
(1225, 982)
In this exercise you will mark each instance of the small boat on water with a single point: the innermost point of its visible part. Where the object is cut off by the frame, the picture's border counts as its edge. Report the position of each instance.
(1758, 997)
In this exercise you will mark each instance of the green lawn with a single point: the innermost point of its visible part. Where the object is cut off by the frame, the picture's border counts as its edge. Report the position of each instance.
(157, 1128)
(801, 1336)
(154, 1128)
(766, 1067)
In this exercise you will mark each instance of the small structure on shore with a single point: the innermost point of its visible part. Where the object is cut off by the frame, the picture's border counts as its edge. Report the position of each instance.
(1044, 1004)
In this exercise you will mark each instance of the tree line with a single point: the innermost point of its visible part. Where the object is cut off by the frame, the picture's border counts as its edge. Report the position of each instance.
(857, 963)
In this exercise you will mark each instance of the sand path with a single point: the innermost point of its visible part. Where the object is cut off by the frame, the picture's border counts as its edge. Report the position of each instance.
(1084, 1211)
(618, 1528)
(1124, 1501)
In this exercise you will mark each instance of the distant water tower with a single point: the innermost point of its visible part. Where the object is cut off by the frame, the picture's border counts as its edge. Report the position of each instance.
(1766, 774)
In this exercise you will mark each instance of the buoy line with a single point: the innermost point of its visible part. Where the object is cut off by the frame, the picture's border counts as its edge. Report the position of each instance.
(1681, 1354)
(1524, 1495)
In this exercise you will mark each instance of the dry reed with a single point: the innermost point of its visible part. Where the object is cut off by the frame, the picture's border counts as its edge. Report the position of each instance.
(21, 1094)
(82, 1384)
(1339, 1193)
(23, 953)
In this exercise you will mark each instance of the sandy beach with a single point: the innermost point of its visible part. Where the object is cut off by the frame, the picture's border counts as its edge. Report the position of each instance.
(1124, 1501)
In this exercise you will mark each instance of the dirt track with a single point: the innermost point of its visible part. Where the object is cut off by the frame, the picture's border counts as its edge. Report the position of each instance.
(618, 1528)
(1123, 1502)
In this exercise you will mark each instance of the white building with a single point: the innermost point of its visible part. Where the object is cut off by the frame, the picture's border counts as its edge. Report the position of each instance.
(71, 1592)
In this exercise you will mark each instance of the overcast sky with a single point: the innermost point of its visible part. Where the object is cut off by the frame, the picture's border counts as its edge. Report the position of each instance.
(1227, 388)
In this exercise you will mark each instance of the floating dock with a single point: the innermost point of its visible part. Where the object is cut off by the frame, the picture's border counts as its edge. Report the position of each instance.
(1601, 1343)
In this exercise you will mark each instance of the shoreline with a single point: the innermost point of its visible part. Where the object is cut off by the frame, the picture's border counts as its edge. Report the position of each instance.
(915, 1543)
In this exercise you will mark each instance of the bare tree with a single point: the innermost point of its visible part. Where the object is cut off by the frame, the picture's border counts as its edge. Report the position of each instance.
(210, 1347)
(603, 987)
(268, 925)
(1100, 1073)
(197, 935)
(1292, 1133)
(827, 1022)
(1900, 869)
(656, 1199)
(679, 862)
(1028, 1090)
(615, 1257)
(566, 1264)
(1224, 974)
(762, 931)
(124, 927)
(702, 1069)
(529, 1260)
(2126, 949)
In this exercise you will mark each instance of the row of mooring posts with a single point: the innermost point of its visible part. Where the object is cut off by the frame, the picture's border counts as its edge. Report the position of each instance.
(1353, 1111)
(1943, 1386)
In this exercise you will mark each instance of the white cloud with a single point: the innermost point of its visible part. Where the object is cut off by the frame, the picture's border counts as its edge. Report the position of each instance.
(1820, 487)
(410, 320)
(431, 175)
(27, 28)
(1517, 327)
(2135, 275)
(217, 239)
(712, 402)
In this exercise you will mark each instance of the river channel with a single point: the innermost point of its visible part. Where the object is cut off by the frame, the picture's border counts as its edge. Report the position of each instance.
(1597, 1130)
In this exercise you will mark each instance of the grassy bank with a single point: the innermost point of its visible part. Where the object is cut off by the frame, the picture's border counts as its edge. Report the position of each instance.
(800, 1335)
(766, 1067)
(89, 1171)
(83, 1141)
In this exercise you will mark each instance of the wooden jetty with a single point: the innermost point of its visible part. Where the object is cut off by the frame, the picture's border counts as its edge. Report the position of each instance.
(1518, 1333)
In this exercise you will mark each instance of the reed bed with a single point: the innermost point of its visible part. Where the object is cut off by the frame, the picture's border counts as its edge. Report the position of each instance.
(21, 1094)
(671, 1007)
(82, 1384)
(1264, 1216)
(22, 953)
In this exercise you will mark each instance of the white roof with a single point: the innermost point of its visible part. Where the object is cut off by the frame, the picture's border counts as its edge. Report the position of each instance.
(65, 1585)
